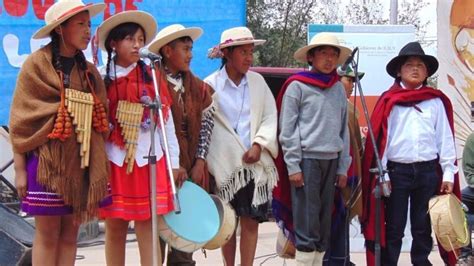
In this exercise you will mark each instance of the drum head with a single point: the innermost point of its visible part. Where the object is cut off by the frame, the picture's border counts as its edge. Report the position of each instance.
(198, 221)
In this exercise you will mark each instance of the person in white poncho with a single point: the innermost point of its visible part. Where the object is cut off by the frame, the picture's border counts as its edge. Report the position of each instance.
(244, 140)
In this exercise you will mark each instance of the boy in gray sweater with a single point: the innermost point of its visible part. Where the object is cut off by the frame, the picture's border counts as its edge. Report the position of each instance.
(315, 141)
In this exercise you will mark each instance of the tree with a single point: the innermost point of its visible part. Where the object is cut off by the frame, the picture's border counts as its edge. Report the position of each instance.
(284, 23)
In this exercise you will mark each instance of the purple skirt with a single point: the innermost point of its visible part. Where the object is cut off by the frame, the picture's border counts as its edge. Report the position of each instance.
(38, 200)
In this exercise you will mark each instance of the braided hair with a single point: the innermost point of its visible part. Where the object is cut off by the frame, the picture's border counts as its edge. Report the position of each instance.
(79, 57)
(55, 39)
(119, 33)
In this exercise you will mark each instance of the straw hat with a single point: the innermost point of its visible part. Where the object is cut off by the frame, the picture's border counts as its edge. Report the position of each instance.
(62, 11)
(322, 39)
(238, 36)
(412, 49)
(171, 33)
(144, 19)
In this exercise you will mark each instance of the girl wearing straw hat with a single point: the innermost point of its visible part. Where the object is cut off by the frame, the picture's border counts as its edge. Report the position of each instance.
(129, 83)
(243, 143)
(55, 188)
(193, 111)
(315, 142)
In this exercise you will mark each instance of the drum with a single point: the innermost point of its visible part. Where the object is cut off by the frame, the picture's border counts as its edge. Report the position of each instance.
(284, 247)
(228, 223)
(196, 224)
(449, 222)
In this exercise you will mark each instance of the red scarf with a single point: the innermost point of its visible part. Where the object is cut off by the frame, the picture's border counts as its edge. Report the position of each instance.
(131, 88)
(396, 95)
(281, 203)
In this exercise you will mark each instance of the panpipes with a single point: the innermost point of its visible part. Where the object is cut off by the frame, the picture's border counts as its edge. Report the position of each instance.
(80, 105)
(129, 115)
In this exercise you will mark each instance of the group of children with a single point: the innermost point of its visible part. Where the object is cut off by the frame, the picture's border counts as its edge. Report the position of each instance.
(222, 134)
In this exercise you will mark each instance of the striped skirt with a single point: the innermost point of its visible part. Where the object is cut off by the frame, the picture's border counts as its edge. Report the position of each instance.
(38, 200)
(130, 193)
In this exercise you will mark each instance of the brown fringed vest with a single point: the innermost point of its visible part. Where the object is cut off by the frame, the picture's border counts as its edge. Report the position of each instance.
(187, 113)
(32, 116)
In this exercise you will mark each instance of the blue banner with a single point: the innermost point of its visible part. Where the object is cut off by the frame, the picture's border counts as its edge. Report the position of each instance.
(20, 19)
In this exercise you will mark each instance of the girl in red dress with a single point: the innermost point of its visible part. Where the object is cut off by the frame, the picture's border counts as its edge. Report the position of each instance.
(129, 81)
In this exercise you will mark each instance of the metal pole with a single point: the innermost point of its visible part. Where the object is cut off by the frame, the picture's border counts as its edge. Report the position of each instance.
(177, 207)
(380, 185)
(393, 11)
(156, 105)
(152, 165)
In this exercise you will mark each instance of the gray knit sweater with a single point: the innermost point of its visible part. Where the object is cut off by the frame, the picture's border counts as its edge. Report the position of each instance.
(313, 125)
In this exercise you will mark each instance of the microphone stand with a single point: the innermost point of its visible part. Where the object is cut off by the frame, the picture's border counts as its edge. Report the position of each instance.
(156, 106)
(380, 185)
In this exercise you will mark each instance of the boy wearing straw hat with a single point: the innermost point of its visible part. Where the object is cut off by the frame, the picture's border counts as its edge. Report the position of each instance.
(413, 126)
(315, 141)
(192, 108)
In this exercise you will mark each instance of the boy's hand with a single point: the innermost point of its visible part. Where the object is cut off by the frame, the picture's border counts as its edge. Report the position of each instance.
(297, 179)
(253, 154)
(180, 175)
(197, 171)
(447, 187)
(341, 181)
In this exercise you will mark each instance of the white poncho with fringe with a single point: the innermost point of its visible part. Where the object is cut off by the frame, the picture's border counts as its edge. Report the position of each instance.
(226, 149)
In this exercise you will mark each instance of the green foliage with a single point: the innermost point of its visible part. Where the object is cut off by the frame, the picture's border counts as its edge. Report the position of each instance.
(284, 23)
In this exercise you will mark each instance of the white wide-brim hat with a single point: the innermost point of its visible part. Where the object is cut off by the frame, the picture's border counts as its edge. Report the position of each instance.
(322, 39)
(142, 18)
(62, 11)
(171, 33)
(238, 36)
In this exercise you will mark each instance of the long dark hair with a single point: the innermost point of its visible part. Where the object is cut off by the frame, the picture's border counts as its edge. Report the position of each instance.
(119, 33)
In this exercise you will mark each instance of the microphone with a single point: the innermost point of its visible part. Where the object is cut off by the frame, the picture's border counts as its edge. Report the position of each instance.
(341, 71)
(145, 53)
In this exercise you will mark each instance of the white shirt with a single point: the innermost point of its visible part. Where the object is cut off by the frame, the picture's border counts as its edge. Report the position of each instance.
(234, 103)
(415, 136)
(117, 154)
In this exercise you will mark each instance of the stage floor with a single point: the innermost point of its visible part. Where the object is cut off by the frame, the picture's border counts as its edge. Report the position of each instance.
(265, 255)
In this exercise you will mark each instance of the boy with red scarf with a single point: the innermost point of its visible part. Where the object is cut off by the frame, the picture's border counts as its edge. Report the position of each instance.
(315, 142)
(413, 126)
